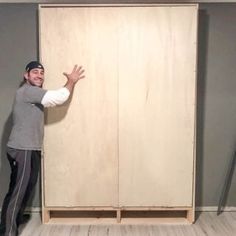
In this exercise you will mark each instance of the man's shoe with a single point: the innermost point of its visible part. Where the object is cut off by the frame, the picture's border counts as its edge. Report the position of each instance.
(23, 220)
(2, 229)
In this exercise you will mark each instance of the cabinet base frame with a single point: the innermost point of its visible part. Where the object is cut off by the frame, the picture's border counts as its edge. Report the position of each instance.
(116, 215)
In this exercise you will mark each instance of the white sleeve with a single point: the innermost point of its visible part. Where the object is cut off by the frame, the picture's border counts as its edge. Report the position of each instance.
(55, 97)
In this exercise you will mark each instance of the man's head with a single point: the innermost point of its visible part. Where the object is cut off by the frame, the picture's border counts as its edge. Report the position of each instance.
(34, 73)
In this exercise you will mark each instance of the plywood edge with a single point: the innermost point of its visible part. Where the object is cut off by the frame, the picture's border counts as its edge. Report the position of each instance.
(120, 5)
(39, 38)
(191, 213)
(130, 221)
(45, 212)
(123, 208)
(83, 208)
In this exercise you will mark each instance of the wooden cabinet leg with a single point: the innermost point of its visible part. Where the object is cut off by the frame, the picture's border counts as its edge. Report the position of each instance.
(118, 216)
(45, 216)
(191, 216)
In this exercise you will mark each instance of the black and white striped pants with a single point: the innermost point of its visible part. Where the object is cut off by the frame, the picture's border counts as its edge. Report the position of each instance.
(25, 165)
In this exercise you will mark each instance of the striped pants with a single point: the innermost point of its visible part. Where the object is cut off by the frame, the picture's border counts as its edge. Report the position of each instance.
(25, 166)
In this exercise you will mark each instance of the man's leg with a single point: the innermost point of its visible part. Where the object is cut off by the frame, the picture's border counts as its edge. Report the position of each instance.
(23, 161)
(35, 166)
(7, 198)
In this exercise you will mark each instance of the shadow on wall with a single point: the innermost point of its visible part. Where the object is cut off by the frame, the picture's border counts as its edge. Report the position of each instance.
(203, 30)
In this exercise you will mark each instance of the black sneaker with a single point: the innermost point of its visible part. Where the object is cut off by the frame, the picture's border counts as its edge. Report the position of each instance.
(2, 229)
(24, 219)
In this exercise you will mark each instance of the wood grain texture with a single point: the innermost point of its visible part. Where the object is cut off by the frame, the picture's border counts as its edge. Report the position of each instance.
(81, 137)
(157, 106)
(126, 138)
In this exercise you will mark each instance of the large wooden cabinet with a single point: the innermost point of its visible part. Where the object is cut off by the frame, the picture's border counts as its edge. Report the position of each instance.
(126, 138)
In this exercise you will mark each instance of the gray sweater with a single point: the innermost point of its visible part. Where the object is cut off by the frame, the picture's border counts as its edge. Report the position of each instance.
(28, 119)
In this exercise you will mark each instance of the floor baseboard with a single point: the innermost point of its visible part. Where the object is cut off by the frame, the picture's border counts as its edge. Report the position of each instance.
(203, 209)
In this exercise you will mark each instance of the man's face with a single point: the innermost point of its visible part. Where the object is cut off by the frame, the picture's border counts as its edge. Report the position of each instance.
(35, 77)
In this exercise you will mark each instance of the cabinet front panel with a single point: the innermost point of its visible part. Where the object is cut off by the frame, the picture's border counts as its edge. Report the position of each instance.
(80, 166)
(127, 135)
(157, 57)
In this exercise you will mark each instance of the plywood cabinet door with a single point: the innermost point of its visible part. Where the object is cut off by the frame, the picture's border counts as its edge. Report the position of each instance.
(80, 160)
(157, 106)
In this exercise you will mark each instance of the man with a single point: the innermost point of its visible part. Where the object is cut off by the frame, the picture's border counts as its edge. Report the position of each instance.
(25, 141)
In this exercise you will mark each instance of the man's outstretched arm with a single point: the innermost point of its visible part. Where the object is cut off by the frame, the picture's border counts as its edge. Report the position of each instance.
(57, 97)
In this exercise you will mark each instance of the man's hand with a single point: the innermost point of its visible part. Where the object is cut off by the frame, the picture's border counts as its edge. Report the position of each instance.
(75, 75)
(72, 78)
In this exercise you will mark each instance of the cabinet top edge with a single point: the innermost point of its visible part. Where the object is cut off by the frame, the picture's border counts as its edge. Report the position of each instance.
(116, 5)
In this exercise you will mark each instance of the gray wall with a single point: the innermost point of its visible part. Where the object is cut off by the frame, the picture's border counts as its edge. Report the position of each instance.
(216, 119)
(18, 45)
(216, 132)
